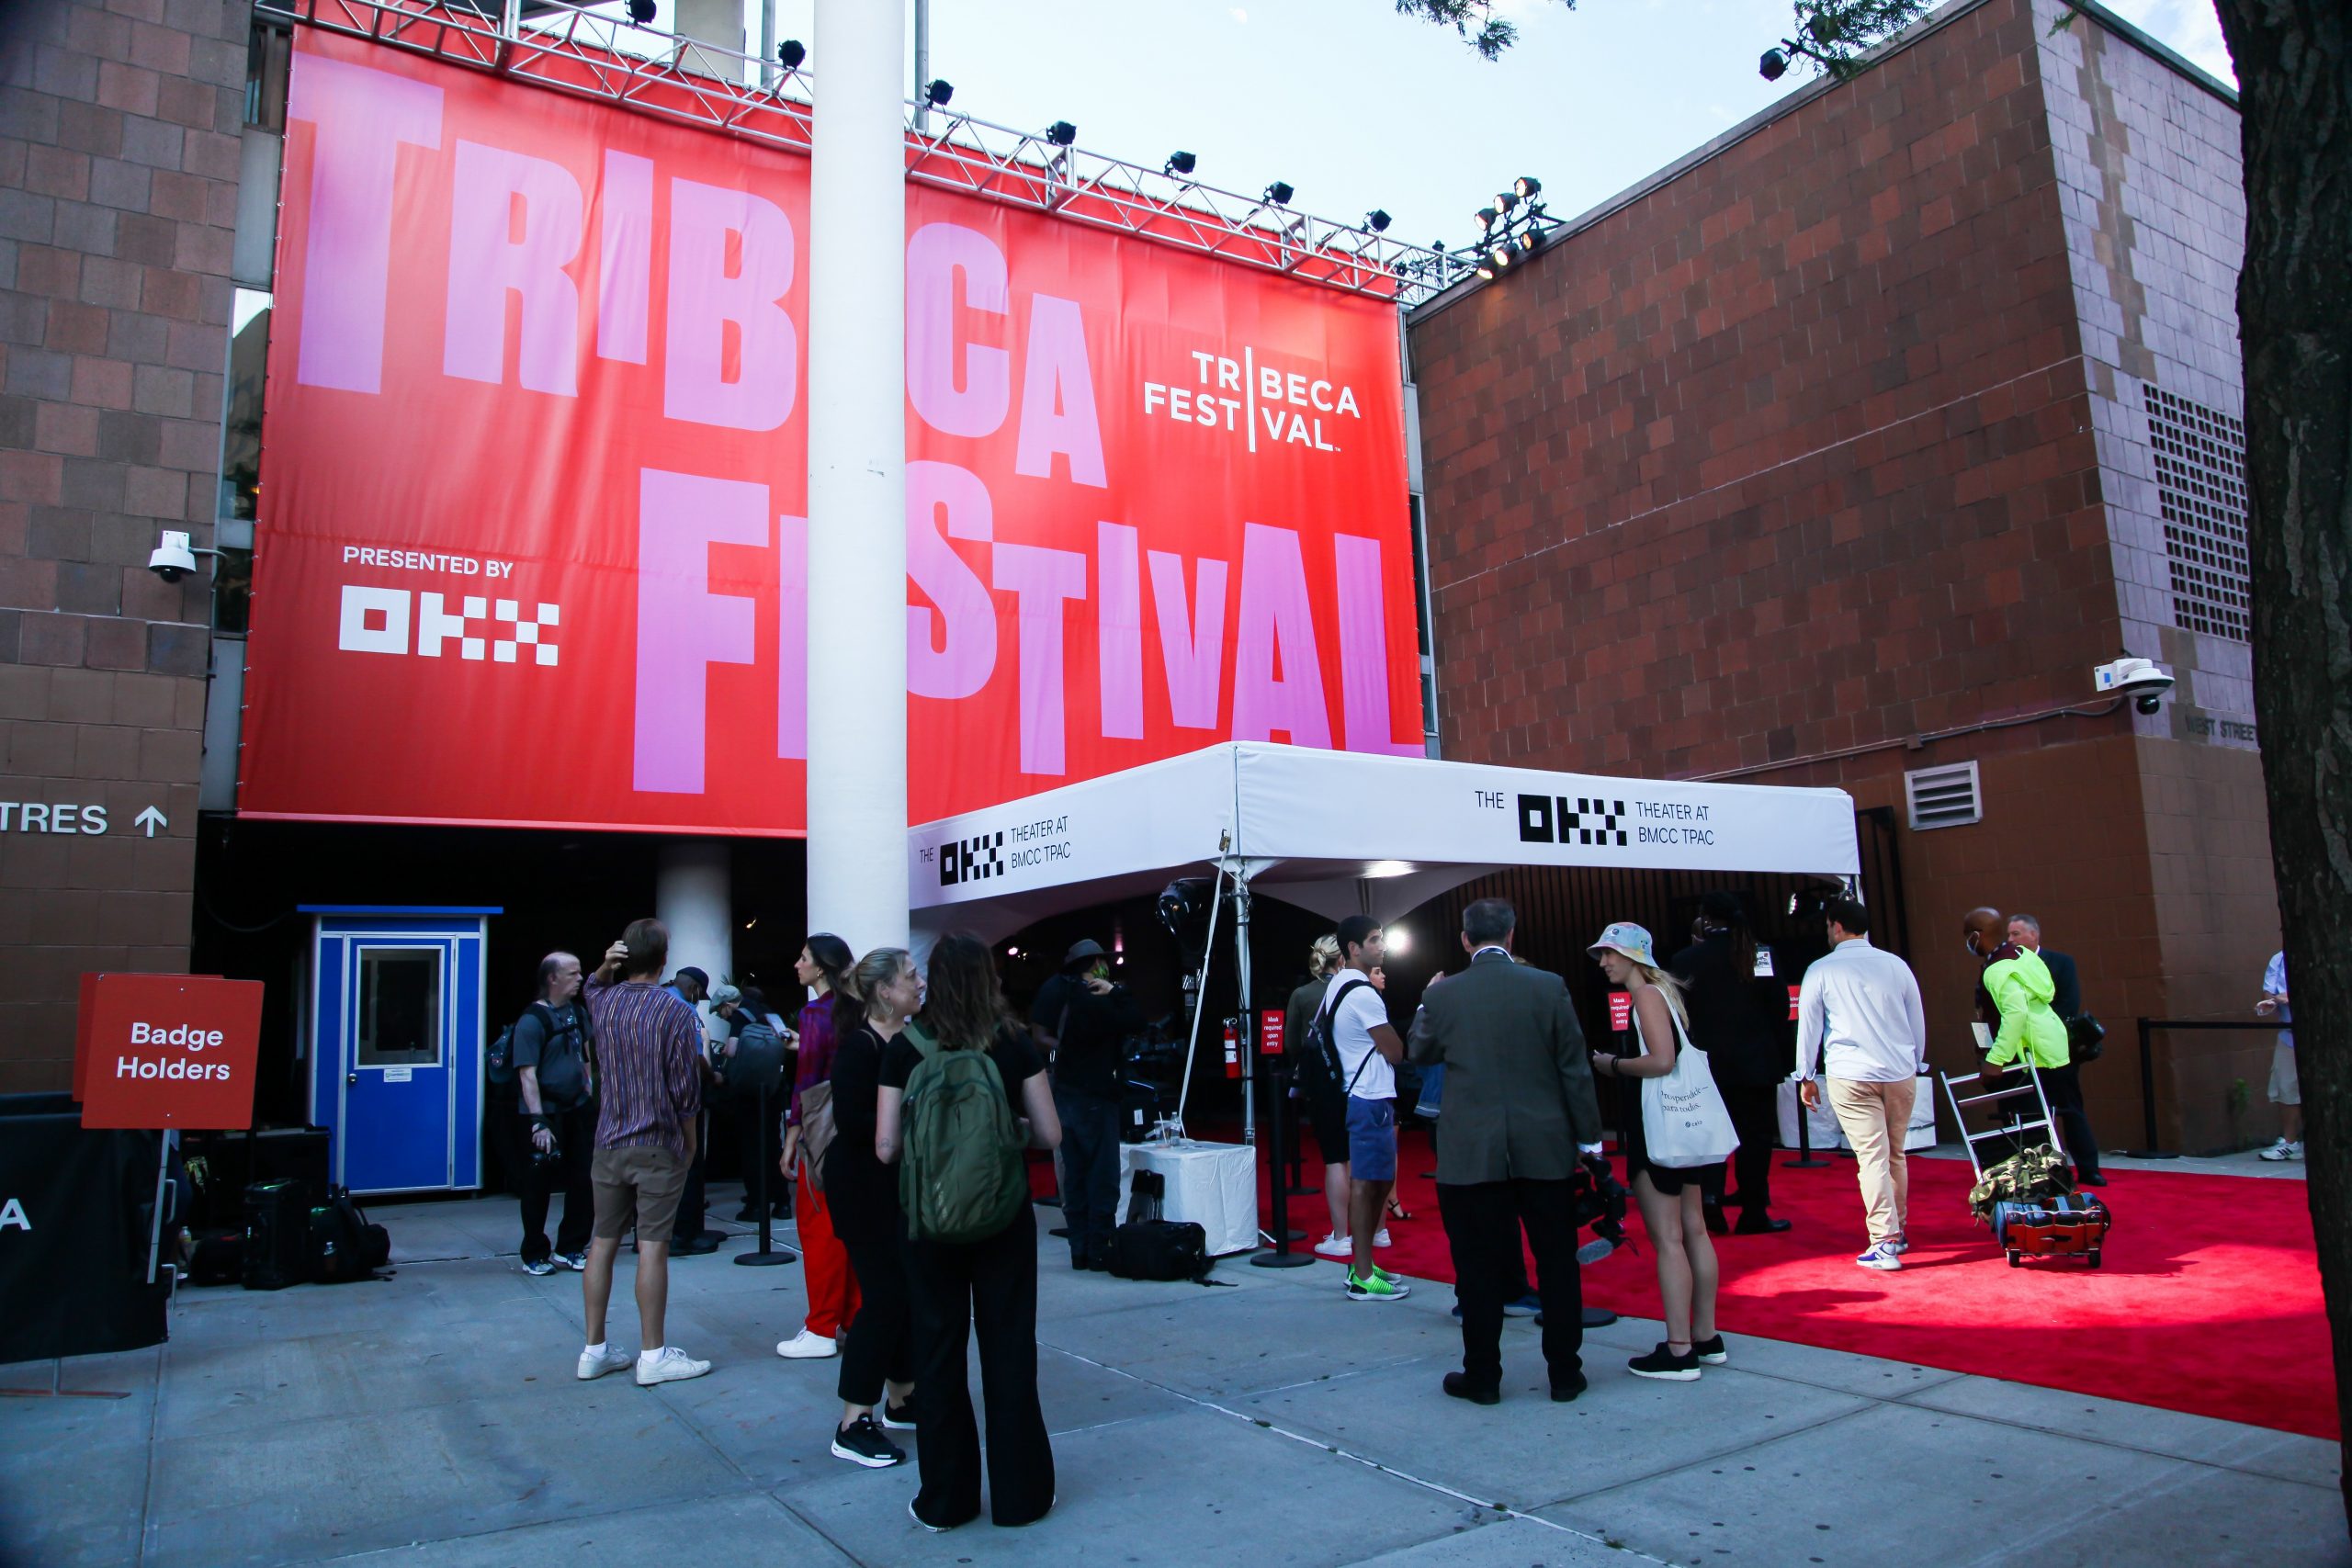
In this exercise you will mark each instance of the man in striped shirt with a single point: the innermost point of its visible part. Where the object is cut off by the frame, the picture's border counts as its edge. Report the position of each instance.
(649, 1044)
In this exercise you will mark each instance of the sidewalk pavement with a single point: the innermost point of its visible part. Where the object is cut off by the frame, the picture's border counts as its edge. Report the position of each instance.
(434, 1419)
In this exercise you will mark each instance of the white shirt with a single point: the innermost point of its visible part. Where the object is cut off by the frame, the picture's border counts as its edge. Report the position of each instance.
(1351, 1028)
(1863, 1003)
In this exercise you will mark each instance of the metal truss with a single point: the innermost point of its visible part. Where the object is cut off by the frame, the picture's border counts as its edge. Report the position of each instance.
(567, 50)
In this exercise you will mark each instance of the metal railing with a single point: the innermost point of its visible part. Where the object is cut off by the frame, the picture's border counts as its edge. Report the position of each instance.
(2148, 1027)
(691, 82)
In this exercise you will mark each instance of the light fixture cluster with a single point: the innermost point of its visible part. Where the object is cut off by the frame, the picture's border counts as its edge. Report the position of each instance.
(1513, 229)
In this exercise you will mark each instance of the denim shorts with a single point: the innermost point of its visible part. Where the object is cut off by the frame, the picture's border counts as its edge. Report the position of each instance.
(1372, 1139)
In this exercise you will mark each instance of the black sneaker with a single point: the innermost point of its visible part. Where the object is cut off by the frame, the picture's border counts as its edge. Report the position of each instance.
(862, 1442)
(1565, 1393)
(898, 1417)
(1459, 1385)
(1711, 1351)
(1663, 1363)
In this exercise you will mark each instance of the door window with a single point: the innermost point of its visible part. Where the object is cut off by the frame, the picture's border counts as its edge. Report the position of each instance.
(399, 1007)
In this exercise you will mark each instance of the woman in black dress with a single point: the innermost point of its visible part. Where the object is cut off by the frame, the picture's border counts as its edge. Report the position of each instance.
(870, 1010)
(988, 1285)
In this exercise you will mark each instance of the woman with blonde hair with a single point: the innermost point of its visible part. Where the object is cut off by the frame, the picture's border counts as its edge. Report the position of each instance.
(1671, 1195)
(1325, 1102)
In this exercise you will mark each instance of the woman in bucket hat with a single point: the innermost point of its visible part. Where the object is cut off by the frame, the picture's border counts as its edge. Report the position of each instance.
(1670, 1196)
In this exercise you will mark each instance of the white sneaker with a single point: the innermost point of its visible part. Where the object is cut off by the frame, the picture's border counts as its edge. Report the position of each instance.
(807, 1346)
(668, 1364)
(596, 1363)
(1380, 1237)
(1342, 1247)
(2282, 1149)
(1879, 1256)
(1898, 1246)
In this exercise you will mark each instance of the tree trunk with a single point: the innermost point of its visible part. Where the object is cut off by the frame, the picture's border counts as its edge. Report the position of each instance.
(2294, 65)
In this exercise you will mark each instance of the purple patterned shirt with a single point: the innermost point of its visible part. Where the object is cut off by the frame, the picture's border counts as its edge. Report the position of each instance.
(648, 1047)
(816, 1051)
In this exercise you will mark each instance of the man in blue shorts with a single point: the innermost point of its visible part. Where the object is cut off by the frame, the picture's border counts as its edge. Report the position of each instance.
(1368, 1048)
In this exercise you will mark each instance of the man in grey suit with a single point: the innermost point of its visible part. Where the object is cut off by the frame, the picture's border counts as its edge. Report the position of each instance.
(1518, 1110)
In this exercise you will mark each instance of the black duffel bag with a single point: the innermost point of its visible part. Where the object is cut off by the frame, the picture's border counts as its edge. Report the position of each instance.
(2086, 1039)
(1159, 1249)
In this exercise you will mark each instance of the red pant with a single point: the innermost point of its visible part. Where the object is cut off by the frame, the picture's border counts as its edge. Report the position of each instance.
(824, 1262)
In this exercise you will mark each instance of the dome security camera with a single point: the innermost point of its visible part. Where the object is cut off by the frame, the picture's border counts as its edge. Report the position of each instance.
(171, 560)
(2142, 679)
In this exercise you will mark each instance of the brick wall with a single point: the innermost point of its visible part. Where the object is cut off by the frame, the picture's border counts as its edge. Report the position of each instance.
(119, 161)
(1813, 444)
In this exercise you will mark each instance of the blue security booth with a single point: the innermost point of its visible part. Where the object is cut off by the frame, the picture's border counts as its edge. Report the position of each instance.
(396, 1036)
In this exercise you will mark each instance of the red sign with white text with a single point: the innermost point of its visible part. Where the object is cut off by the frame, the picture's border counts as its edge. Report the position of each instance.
(1271, 1023)
(156, 1051)
(532, 536)
(1620, 1010)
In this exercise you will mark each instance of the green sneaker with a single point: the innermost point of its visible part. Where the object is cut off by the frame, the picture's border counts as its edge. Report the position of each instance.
(1382, 1287)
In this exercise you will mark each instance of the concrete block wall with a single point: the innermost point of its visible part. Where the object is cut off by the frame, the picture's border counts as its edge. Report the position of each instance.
(120, 128)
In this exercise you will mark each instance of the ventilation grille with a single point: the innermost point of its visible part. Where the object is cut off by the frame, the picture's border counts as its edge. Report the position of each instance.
(2200, 480)
(1943, 797)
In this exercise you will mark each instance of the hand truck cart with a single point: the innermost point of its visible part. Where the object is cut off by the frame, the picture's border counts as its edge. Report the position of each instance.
(2048, 1219)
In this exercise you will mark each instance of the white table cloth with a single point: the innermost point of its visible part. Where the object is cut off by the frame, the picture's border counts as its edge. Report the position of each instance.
(1215, 1186)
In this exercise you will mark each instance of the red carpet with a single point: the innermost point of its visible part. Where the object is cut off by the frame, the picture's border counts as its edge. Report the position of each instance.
(2208, 1301)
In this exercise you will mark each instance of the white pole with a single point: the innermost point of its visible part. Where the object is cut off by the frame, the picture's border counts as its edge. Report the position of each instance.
(694, 895)
(922, 64)
(857, 479)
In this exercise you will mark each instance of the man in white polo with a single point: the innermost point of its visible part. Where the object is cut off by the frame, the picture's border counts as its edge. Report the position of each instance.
(1860, 1025)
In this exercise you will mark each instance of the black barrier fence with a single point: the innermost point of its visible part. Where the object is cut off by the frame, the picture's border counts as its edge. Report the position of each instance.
(2148, 1027)
(76, 1209)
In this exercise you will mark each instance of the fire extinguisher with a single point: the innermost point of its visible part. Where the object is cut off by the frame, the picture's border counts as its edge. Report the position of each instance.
(1232, 1049)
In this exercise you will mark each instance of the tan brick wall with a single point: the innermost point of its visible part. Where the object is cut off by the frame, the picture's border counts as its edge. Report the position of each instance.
(119, 161)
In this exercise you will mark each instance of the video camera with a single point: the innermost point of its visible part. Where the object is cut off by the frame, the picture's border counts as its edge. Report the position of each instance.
(1599, 1204)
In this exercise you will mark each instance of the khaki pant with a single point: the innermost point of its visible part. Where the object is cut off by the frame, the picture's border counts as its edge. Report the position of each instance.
(1875, 1117)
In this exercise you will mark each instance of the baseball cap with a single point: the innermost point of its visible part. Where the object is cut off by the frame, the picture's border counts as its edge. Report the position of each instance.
(1628, 939)
(700, 978)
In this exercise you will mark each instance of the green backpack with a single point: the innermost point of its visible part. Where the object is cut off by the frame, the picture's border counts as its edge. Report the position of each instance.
(961, 1175)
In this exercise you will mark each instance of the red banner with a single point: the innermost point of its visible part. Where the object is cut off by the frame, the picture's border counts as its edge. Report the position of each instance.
(155, 1051)
(531, 545)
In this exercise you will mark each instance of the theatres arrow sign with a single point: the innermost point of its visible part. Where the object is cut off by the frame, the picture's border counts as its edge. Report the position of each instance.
(150, 819)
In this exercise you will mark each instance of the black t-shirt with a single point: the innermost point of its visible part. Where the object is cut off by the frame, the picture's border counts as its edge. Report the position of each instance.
(1014, 1054)
(852, 1171)
(1092, 1033)
(561, 1059)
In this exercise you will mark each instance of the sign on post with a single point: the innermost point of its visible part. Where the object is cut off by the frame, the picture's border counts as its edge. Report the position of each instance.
(166, 1051)
(1270, 1032)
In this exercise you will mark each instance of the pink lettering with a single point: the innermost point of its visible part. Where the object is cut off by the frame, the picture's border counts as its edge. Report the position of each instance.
(1119, 631)
(1041, 579)
(1363, 647)
(625, 260)
(682, 629)
(754, 392)
(1057, 396)
(951, 652)
(792, 638)
(362, 116)
(935, 254)
(1277, 678)
(1191, 646)
(488, 262)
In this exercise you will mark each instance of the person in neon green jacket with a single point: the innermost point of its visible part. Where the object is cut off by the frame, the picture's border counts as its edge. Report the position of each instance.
(2013, 997)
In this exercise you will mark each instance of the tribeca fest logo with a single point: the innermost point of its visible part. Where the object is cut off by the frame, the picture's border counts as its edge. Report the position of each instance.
(1254, 398)
(379, 620)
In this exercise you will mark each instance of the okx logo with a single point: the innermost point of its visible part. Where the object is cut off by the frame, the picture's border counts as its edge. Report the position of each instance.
(380, 620)
(1554, 820)
(971, 860)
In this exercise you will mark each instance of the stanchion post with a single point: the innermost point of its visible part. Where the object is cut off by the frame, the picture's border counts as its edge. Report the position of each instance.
(1281, 1257)
(2148, 1080)
(769, 1254)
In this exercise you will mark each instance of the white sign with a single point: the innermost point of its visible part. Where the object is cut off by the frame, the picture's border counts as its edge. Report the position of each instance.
(398, 1075)
(47, 817)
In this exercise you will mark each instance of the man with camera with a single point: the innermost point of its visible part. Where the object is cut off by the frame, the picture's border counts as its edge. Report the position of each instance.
(555, 1085)
(1084, 1020)
(1520, 1112)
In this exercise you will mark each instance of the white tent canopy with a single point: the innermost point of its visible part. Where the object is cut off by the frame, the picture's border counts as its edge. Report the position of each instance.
(1345, 833)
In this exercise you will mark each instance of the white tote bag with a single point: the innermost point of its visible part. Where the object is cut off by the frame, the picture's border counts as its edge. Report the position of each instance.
(1684, 1122)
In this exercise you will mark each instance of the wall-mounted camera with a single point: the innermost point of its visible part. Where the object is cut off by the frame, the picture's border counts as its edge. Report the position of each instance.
(175, 557)
(2142, 679)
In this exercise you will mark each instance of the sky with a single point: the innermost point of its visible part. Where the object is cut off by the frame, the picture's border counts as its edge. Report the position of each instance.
(1357, 108)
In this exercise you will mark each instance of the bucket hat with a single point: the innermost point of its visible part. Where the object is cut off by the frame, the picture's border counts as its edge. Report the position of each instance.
(1629, 939)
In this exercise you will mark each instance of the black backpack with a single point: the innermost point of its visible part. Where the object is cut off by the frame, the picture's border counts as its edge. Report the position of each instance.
(1320, 1046)
(343, 1246)
(500, 1060)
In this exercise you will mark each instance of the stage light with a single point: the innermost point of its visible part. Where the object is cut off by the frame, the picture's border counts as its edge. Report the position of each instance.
(1486, 216)
(640, 12)
(1485, 269)
(1773, 66)
(1181, 164)
(1401, 942)
(1527, 187)
(1061, 134)
(1502, 256)
(1505, 201)
(938, 93)
(1379, 869)
(1376, 220)
(1279, 194)
(792, 51)
(1531, 241)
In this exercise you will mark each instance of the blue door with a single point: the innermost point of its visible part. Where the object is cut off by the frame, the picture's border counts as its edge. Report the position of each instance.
(397, 1040)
